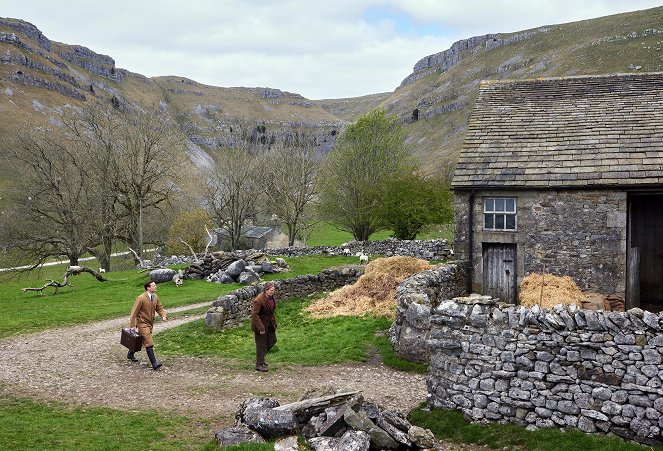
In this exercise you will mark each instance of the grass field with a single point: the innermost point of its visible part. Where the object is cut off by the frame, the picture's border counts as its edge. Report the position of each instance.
(325, 234)
(89, 300)
(310, 341)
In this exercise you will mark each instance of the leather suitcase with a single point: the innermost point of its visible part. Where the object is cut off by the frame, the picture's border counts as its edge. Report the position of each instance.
(131, 340)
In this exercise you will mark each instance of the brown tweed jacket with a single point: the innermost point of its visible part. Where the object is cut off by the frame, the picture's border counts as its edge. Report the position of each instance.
(262, 315)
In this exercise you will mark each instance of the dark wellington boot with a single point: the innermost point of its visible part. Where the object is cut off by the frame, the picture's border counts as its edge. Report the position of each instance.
(153, 360)
(261, 368)
(131, 356)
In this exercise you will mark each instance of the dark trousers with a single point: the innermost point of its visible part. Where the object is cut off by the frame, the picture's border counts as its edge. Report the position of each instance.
(264, 343)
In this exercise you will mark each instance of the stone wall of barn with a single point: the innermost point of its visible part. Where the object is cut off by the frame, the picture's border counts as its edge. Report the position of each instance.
(578, 233)
(564, 367)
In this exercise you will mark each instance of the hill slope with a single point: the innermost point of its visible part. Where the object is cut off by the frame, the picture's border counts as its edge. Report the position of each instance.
(39, 77)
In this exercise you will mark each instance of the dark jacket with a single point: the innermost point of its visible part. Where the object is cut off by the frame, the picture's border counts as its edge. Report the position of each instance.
(262, 315)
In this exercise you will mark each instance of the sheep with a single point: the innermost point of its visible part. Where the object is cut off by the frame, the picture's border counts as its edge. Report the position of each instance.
(346, 252)
(178, 278)
(363, 259)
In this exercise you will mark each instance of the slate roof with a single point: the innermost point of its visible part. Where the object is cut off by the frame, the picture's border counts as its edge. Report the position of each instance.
(592, 131)
(248, 231)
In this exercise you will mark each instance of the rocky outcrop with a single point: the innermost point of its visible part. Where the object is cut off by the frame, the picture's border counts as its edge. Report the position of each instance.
(27, 29)
(443, 61)
(39, 82)
(20, 59)
(95, 63)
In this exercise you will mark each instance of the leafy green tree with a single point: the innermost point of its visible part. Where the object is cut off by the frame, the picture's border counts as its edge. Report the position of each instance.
(189, 227)
(411, 202)
(367, 155)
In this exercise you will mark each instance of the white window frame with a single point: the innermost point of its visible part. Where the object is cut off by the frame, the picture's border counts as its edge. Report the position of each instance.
(499, 209)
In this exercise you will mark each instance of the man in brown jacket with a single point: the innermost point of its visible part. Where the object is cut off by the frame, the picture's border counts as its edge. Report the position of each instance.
(142, 316)
(263, 324)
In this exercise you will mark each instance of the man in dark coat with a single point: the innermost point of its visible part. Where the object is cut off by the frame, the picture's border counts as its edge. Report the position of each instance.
(263, 324)
(142, 316)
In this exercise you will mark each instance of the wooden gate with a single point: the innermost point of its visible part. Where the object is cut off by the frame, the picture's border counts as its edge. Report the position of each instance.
(499, 271)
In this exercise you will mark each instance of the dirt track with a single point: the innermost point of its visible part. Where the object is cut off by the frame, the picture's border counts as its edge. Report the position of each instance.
(95, 372)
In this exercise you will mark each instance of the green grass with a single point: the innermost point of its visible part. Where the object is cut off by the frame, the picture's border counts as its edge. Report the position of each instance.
(90, 300)
(302, 340)
(452, 426)
(389, 357)
(29, 425)
(325, 234)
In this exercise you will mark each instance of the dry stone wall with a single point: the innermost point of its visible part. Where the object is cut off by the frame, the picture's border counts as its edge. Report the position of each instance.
(564, 367)
(424, 249)
(416, 297)
(233, 308)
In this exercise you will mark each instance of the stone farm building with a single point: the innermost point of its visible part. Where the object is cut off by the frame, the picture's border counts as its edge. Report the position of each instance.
(566, 175)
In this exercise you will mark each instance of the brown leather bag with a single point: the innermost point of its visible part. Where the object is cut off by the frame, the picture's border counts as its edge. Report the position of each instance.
(131, 339)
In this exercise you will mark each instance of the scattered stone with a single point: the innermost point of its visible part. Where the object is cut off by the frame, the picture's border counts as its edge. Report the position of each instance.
(237, 435)
(162, 275)
(329, 422)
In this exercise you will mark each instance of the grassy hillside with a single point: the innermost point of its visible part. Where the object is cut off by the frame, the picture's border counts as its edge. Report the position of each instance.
(614, 44)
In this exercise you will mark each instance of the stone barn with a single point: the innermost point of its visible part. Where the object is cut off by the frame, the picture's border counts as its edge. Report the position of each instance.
(564, 175)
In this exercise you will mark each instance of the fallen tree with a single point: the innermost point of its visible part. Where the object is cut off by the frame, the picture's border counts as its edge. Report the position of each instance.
(71, 271)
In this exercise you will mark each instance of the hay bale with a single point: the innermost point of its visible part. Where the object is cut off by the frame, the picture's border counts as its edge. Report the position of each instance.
(615, 301)
(556, 290)
(373, 293)
(594, 301)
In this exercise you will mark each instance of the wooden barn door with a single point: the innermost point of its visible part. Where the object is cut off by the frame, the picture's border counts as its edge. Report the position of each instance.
(645, 253)
(499, 271)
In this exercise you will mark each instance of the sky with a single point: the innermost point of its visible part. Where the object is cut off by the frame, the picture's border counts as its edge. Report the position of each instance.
(317, 48)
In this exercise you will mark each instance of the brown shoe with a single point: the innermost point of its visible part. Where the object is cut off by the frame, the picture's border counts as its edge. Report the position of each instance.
(261, 368)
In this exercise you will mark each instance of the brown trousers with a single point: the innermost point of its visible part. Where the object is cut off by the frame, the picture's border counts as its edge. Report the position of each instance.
(145, 330)
(264, 343)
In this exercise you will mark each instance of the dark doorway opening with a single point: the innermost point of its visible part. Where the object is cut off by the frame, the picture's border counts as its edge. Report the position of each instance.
(645, 252)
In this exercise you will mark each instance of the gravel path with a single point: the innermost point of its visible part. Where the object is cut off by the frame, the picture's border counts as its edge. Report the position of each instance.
(95, 372)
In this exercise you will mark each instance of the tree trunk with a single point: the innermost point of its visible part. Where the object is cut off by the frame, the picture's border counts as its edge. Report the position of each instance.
(292, 233)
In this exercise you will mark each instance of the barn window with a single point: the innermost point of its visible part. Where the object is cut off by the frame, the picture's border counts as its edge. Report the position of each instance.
(499, 213)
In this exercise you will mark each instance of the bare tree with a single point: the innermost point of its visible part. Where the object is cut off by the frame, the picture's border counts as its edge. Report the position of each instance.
(47, 215)
(95, 132)
(289, 180)
(88, 183)
(233, 191)
(147, 175)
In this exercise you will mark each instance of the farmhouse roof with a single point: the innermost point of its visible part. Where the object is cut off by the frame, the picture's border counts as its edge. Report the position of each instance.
(248, 231)
(596, 131)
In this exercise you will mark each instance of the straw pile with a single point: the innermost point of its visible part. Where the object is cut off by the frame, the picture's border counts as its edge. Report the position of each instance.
(556, 290)
(373, 293)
